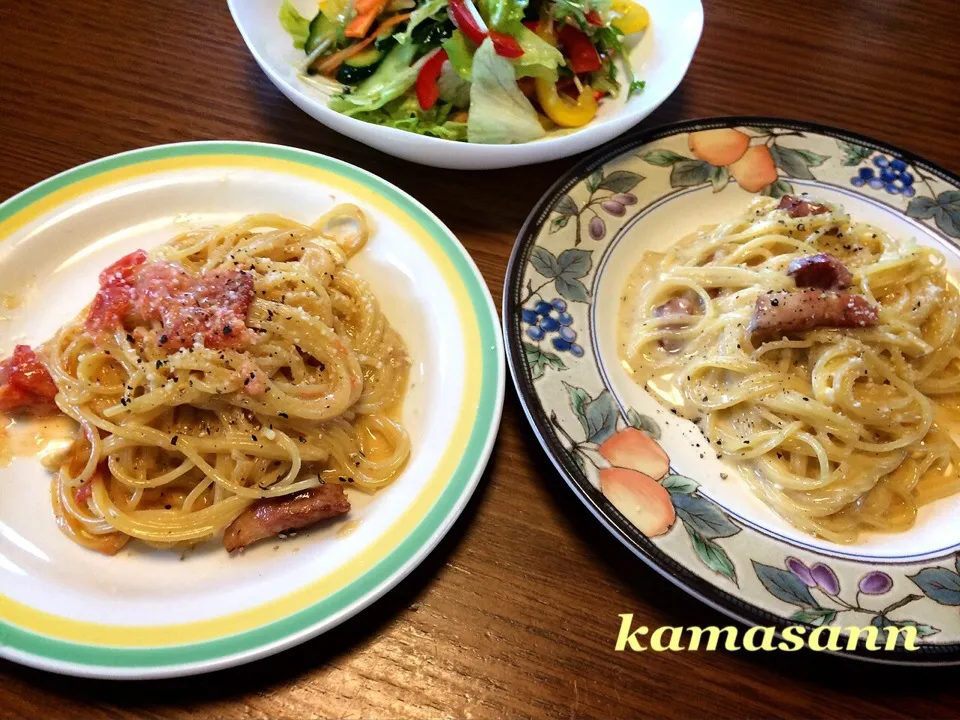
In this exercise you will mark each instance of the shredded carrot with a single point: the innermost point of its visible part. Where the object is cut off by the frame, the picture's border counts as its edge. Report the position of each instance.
(330, 64)
(366, 13)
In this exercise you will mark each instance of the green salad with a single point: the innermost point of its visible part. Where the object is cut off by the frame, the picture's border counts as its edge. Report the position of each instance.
(493, 71)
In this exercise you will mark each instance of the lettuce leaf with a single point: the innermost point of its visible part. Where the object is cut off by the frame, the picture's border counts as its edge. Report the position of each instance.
(294, 23)
(540, 58)
(453, 88)
(425, 11)
(577, 10)
(391, 80)
(499, 112)
(405, 114)
(460, 54)
(502, 14)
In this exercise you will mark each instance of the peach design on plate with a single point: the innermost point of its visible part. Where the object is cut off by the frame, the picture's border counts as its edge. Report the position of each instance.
(753, 158)
(620, 457)
(631, 484)
(755, 170)
(722, 146)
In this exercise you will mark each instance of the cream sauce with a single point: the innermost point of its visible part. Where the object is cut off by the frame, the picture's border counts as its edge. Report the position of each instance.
(630, 304)
(348, 528)
(46, 438)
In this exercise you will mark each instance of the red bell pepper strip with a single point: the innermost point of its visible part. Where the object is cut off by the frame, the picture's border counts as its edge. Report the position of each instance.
(593, 18)
(580, 51)
(463, 19)
(504, 45)
(427, 88)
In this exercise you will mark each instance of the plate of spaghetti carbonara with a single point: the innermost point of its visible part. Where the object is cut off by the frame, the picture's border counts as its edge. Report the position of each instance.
(817, 354)
(739, 342)
(218, 355)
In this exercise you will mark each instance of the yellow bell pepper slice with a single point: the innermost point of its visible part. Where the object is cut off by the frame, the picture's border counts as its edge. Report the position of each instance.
(629, 17)
(562, 111)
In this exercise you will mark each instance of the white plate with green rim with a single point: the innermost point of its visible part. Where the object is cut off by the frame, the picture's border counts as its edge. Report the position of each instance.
(145, 613)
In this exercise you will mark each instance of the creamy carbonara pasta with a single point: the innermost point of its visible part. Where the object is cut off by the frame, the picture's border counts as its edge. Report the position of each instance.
(820, 355)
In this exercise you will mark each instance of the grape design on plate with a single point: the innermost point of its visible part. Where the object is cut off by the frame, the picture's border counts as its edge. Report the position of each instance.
(551, 320)
(889, 174)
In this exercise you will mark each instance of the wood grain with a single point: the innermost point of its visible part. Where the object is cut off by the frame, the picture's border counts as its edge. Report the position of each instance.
(515, 613)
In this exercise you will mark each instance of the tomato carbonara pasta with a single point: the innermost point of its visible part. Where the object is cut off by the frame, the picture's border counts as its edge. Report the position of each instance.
(232, 381)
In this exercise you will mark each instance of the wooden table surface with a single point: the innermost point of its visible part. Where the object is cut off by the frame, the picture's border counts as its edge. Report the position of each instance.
(515, 613)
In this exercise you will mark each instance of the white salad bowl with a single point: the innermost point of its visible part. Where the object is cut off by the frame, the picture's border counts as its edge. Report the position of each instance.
(660, 56)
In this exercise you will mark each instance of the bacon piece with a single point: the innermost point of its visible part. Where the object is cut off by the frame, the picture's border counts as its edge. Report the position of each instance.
(254, 380)
(123, 269)
(676, 306)
(83, 493)
(270, 516)
(112, 303)
(789, 312)
(798, 207)
(212, 306)
(25, 384)
(822, 271)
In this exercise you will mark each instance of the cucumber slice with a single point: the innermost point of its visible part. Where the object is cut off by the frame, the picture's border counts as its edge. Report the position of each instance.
(367, 58)
(432, 33)
(349, 75)
(321, 30)
(385, 44)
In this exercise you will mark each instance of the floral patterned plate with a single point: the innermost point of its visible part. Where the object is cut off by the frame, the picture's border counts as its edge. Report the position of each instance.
(698, 525)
